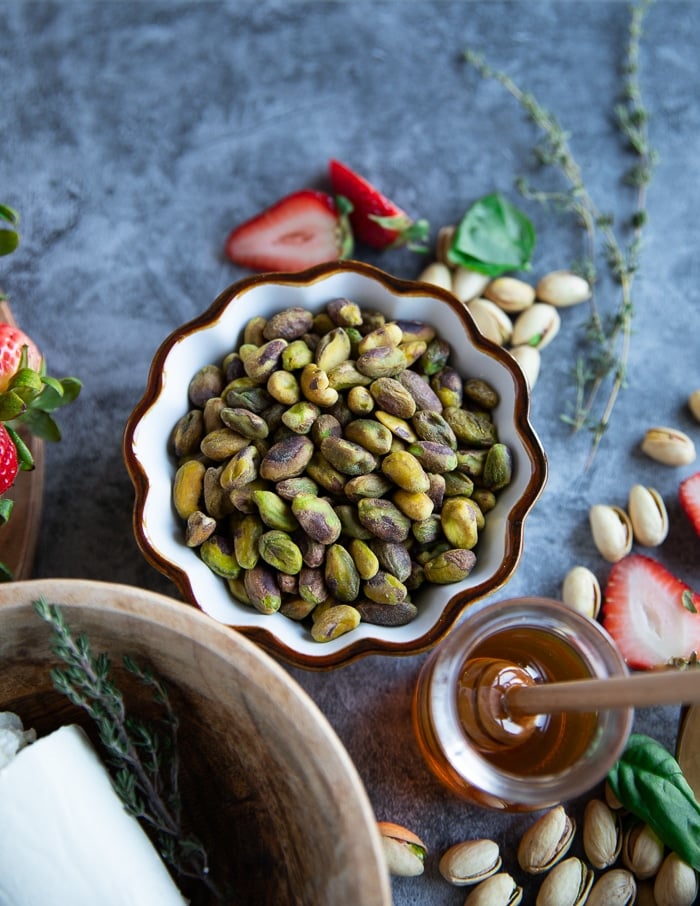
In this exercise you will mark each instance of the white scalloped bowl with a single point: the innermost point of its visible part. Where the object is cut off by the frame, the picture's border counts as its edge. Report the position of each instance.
(209, 337)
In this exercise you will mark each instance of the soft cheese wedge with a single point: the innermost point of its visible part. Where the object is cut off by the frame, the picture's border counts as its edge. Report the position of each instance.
(66, 838)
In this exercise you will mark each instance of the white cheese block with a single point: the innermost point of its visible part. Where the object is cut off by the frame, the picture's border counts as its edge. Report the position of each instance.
(65, 838)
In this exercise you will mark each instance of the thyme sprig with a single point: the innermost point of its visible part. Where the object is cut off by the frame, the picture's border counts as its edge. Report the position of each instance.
(143, 755)
(608, 340)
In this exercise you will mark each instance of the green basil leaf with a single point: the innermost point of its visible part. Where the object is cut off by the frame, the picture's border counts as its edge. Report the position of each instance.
(9, 214)
(649, 782)
(9, 240)
(493, 237)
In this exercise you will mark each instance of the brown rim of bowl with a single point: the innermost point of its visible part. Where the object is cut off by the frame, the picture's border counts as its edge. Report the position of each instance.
(461, 599)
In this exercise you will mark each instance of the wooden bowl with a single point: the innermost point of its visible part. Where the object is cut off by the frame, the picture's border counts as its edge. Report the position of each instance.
(266, 783)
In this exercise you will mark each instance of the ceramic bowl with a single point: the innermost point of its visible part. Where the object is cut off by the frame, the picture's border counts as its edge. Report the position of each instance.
(266, 784)
(209, 337)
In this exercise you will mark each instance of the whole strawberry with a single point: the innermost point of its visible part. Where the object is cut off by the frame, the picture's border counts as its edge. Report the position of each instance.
(9, 463)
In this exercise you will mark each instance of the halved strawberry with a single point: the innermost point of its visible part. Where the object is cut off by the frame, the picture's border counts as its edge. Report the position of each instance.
(302, 229)
(651, 615)
(9, 463)
(376, 220)
(689, 496)
(12, 339)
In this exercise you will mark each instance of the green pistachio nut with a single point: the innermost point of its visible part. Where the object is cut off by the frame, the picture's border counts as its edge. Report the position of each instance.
(287, 458)
(242, 498)
(423, 394)
(211, 414)
(344, 313)
(484, 499)
(437, 489)
(360, 401)
(245, 422)
(372, 485)
(289, 324)
(448, 386)
(386, 614)
(279, 551)
(384, 588)
(432, 427)
(289, 488)
(247, 531)
(222, 443)
(317, 517)
(366, 561)
(187, 434)
(296, 608)
(333, 348)
(262, 589)
(435, 356)
(383, 519)
(459, 522)
(275, 512)
(300, 417)
(245, 393)
(313, 552)
(415, 330)
(218, 554)
(427, 531)
(386, 334)
(334, 622)
(450, 566)
(390, 395)
(237, 588)
(417, 505)
(471, 462)
(283, 386)
(371, 320)
(217, 501)
(352, 527)
(393, 557)
(399, 427)
(325, 475)
(370, 434)
(340, 573)
(481, 393)
(326, 425)
(471, 428)
(266, 359)
(382, 361)
(200, 526)
(404, 469)
(207, 382)
(498, 468)
(254, 331)
(241, 469)
(312, 585)
(348, 457)
(434, 456)
(188, 487)
(296, 356)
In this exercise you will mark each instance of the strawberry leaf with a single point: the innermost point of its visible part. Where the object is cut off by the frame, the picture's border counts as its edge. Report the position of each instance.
(5, 574)
(41, 424)
(11, 406)
(58, 393)
(25, 460)
(5, 509)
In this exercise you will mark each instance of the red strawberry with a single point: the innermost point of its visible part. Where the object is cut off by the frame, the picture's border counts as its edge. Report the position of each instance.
(300, 230)
(9, 464)
(12, 339)
(651, 615)
(689, 496)
(376, 220)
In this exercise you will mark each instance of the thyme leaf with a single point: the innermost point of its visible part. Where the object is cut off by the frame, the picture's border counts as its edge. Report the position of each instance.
(618, 242)
(143, 755)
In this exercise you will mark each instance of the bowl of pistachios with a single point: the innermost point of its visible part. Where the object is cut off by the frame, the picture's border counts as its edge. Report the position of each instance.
(334, 462)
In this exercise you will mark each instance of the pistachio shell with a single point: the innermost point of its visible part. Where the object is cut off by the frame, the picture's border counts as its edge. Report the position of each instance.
(498, 890)
(581, 591)
(676, 883)
(616, 887)
(510, 294)
(563, 288)
(642, 851)
(602, 834)
(567, 884)
(612, 531)
(404, 851)
(536, 326)
(438, 274)
(694, 404)
(491, 320)
(648, 515)
(529, 359)
(668, 446)
(546, 841)
(470, 862)
(468, 284)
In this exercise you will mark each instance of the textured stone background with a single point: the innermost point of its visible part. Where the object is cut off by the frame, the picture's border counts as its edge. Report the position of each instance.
(136, 134)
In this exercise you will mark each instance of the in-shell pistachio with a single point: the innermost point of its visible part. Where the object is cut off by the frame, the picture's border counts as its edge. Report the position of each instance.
(563, 288)
(694, 404)
(510, 294)
(437, 274)
(676, 883)
(602, 834)
(470, 862)
(668, 446)
(615, 887)
(536, 326)
(648, 515)
(567, 884)
(468, 284)
(529, 359)
(612, 531)
(546, 841)
(491, 320)
(500, 889)
(642, 851)
(404, 851)
(581, 591)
